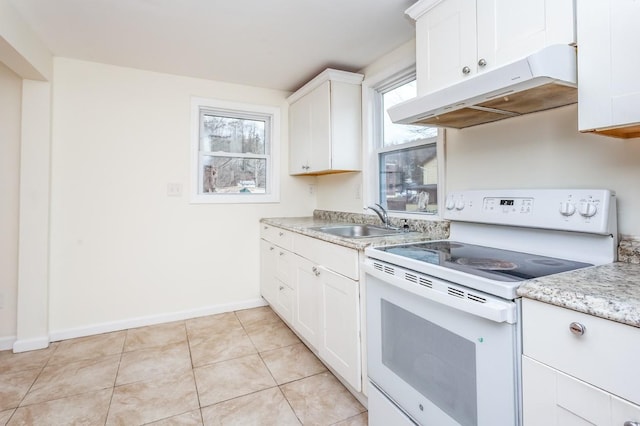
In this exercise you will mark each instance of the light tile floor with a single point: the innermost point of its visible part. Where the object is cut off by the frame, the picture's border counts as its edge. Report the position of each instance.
(237, 368)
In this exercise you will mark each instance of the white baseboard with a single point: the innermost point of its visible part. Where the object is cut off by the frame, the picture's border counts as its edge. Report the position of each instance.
(108, 327)
(7, 342)
(25, 345)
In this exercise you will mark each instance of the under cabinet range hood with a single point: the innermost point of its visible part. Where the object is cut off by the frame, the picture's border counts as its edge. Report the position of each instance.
(544, 80)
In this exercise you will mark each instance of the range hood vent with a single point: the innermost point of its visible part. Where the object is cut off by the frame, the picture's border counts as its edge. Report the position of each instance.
(547, 79)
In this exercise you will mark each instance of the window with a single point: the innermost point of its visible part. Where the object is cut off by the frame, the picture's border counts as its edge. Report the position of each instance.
(234, 152)
(406, 156)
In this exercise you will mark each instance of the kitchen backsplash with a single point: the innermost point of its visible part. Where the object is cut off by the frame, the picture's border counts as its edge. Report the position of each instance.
(629, 249)
(438, 229)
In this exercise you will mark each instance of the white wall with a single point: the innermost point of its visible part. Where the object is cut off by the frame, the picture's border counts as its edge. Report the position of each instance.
(120, 247)
(545, 150)
(10, 110)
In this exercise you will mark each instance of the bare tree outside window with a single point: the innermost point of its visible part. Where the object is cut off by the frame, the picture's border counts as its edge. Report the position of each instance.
(233, 153)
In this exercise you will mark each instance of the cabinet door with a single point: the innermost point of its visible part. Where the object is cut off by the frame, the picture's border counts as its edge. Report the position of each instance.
(299, 135)
(512, 29)
(551, 397)
(340, 334)
(445, 45)
(307, 290)
(623, 411)
(609, 89)
(320, 127)
(268, 285)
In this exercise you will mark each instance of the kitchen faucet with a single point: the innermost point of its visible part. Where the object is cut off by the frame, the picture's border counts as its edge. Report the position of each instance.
(382, 214)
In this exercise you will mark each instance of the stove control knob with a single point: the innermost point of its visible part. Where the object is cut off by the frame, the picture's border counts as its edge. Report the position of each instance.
(459, 204)
(588, 209)
(567, 208)
(451, 204)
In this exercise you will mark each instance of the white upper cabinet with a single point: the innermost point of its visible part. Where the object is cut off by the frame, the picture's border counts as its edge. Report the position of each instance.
(608, 63)
(325, 124)
(457, 39)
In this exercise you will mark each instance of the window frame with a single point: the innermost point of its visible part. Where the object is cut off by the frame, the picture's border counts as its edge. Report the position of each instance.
(271, 114)
(373, 89)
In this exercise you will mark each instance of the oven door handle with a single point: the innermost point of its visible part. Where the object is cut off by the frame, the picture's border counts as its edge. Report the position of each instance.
(489, 307)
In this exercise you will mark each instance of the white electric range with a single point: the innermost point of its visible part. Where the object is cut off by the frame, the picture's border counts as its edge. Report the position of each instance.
(444, 338)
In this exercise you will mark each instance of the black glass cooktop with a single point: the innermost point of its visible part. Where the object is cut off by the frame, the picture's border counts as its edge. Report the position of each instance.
(498, 264)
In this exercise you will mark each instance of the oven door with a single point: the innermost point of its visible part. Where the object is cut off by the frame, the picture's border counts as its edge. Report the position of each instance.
(441, 361)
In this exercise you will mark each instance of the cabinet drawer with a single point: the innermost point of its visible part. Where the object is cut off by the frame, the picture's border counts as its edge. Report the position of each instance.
(278, 236)
(342, 260)
(552, 398)
(604, 356)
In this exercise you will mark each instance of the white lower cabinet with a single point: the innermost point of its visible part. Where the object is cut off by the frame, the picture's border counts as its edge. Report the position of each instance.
(551, 398)
(340, 323)
(312, 288)
(306, 320)
(276, 274)
(578, 369)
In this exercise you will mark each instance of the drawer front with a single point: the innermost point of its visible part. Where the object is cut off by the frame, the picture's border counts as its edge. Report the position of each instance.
(278, 236)
(604, 356)
(342, 260)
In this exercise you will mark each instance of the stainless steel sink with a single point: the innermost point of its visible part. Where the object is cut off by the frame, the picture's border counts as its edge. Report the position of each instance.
(358, 231)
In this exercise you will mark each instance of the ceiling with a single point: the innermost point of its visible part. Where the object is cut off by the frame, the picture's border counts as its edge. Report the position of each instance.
(278, 44)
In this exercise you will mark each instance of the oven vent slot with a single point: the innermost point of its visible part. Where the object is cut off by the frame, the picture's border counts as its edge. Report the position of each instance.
(384, 268)
(411, 278)
(425, 282)
(476, 298)
(455, 292)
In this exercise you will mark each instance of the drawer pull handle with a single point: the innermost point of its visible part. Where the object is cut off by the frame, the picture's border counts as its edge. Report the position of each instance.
(631, 423)
(577, 328)
(315, 271)
(281, 253)
(281, 287)
(271, 248)
(281, 234)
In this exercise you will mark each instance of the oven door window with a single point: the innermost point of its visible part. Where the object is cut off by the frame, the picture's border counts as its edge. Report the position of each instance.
(439, 364)
(437, 360)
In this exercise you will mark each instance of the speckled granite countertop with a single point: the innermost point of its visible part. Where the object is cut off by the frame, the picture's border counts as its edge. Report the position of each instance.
(422, 230)
(609, 291)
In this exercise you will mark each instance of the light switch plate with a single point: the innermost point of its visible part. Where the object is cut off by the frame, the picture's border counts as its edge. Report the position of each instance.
(174, 189)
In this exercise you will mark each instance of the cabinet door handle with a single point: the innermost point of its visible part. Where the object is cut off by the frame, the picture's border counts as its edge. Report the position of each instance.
(281, 253)
(281, 234)
(272, 248)
(577, 328)
(281, 287)
(482, 62)
(466, 70)
(315, 271)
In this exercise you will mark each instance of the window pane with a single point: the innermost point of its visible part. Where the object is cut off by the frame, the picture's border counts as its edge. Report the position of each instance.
(395, 134)
(234, 175)
(233, 135)
(409, 179)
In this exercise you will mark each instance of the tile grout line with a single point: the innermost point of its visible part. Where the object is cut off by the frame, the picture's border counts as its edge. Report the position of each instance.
(115, 379)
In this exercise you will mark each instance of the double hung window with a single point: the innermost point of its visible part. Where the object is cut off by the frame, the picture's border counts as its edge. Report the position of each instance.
(233, 152)
(406, 156)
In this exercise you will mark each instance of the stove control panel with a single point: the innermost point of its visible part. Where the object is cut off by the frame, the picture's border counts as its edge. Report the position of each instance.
(580, 210)
(505, 206)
